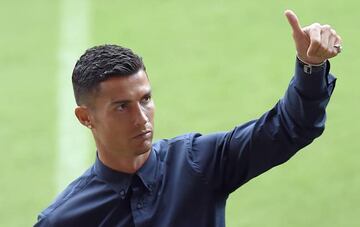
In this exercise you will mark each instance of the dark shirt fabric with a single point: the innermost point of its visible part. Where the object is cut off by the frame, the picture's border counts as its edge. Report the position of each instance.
(186, 180)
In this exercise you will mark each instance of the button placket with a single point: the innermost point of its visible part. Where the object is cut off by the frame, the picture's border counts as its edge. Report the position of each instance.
(139, 205)
(122, 193)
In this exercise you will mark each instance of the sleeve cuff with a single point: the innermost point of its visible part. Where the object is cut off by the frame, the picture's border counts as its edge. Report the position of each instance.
(313, 81)
(310, 68)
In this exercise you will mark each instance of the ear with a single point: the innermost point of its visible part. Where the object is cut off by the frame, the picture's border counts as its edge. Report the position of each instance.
(83, 115)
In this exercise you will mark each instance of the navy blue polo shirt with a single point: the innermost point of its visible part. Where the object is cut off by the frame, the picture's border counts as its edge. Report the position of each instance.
(186, 180)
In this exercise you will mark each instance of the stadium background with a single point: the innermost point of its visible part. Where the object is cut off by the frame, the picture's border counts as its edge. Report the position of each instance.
(212, 64)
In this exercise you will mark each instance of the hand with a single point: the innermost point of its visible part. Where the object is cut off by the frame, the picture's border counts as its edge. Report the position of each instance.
(315, 43)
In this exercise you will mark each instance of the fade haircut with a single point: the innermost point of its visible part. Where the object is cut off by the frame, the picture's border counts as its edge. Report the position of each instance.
(98, 64)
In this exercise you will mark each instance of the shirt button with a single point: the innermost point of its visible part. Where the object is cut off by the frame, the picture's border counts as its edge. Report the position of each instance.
(139, 205)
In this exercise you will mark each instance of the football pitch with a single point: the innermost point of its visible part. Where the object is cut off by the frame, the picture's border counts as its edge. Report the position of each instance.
(212, 65)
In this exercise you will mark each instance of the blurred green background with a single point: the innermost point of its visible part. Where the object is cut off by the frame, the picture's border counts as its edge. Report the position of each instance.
(212, 64)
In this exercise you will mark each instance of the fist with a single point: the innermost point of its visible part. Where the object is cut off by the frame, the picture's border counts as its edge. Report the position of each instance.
(314, 43)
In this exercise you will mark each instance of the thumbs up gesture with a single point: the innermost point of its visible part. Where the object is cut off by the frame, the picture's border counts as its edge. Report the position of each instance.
(315, 43)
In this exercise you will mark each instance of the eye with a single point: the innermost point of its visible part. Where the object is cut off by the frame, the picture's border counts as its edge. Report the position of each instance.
(121, 107)
(146, 99)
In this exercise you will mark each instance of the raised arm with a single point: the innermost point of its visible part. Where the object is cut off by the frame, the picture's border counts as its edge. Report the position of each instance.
(228, 160)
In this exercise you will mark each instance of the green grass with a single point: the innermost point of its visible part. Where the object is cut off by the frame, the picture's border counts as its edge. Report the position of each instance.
(27, 113)
(212, 64)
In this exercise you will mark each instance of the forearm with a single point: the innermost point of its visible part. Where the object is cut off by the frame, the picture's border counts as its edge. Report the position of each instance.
(294, 122)
(305, 100)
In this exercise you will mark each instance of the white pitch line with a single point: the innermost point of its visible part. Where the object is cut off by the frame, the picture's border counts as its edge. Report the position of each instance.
(73, 141)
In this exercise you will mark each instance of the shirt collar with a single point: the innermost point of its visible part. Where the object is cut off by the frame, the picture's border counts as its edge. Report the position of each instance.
(121, 182)
(149, 171)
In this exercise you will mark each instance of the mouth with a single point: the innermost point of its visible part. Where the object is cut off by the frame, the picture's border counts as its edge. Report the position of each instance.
(144, 135)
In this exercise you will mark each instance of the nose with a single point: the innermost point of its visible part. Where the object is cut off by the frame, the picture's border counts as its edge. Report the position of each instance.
(139, 114)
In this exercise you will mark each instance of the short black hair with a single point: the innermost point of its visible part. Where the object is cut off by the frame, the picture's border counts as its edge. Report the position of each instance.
(99, 63)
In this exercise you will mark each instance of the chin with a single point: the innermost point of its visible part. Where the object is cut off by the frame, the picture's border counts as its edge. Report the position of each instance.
(145, 148)
(141, 152)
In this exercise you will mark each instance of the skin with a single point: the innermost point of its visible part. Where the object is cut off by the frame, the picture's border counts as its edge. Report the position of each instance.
(121, 118)
(121, 113)
(314, 43)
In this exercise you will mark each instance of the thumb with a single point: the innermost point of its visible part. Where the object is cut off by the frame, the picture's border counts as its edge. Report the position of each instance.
(293, 21)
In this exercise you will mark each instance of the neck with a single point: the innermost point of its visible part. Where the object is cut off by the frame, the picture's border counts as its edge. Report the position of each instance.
(123, 164)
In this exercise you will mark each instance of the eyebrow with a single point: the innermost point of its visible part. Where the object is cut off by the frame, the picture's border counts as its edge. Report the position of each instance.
(117, 102)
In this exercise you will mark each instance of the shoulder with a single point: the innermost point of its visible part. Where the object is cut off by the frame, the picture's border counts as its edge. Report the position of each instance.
(78, 185)
(188, 147)
(190, 141)
(179, 143)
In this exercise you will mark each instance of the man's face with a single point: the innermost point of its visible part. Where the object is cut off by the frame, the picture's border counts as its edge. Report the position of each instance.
(122, 115)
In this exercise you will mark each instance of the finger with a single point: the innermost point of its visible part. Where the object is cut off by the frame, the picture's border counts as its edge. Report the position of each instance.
(331, 45)
(293, 21)
(338, 44)
(338, 40)
(315, 39)
(324, 50)
(325, 35)
(334, 43)
(333, 32)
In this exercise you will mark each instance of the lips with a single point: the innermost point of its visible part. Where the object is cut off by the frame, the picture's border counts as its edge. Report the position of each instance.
(144, 135)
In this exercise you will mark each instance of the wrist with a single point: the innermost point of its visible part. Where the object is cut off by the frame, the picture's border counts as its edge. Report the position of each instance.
(310, 63)
(310, 68)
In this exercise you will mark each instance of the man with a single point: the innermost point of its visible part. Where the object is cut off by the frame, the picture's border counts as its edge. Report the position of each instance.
(183, 181)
